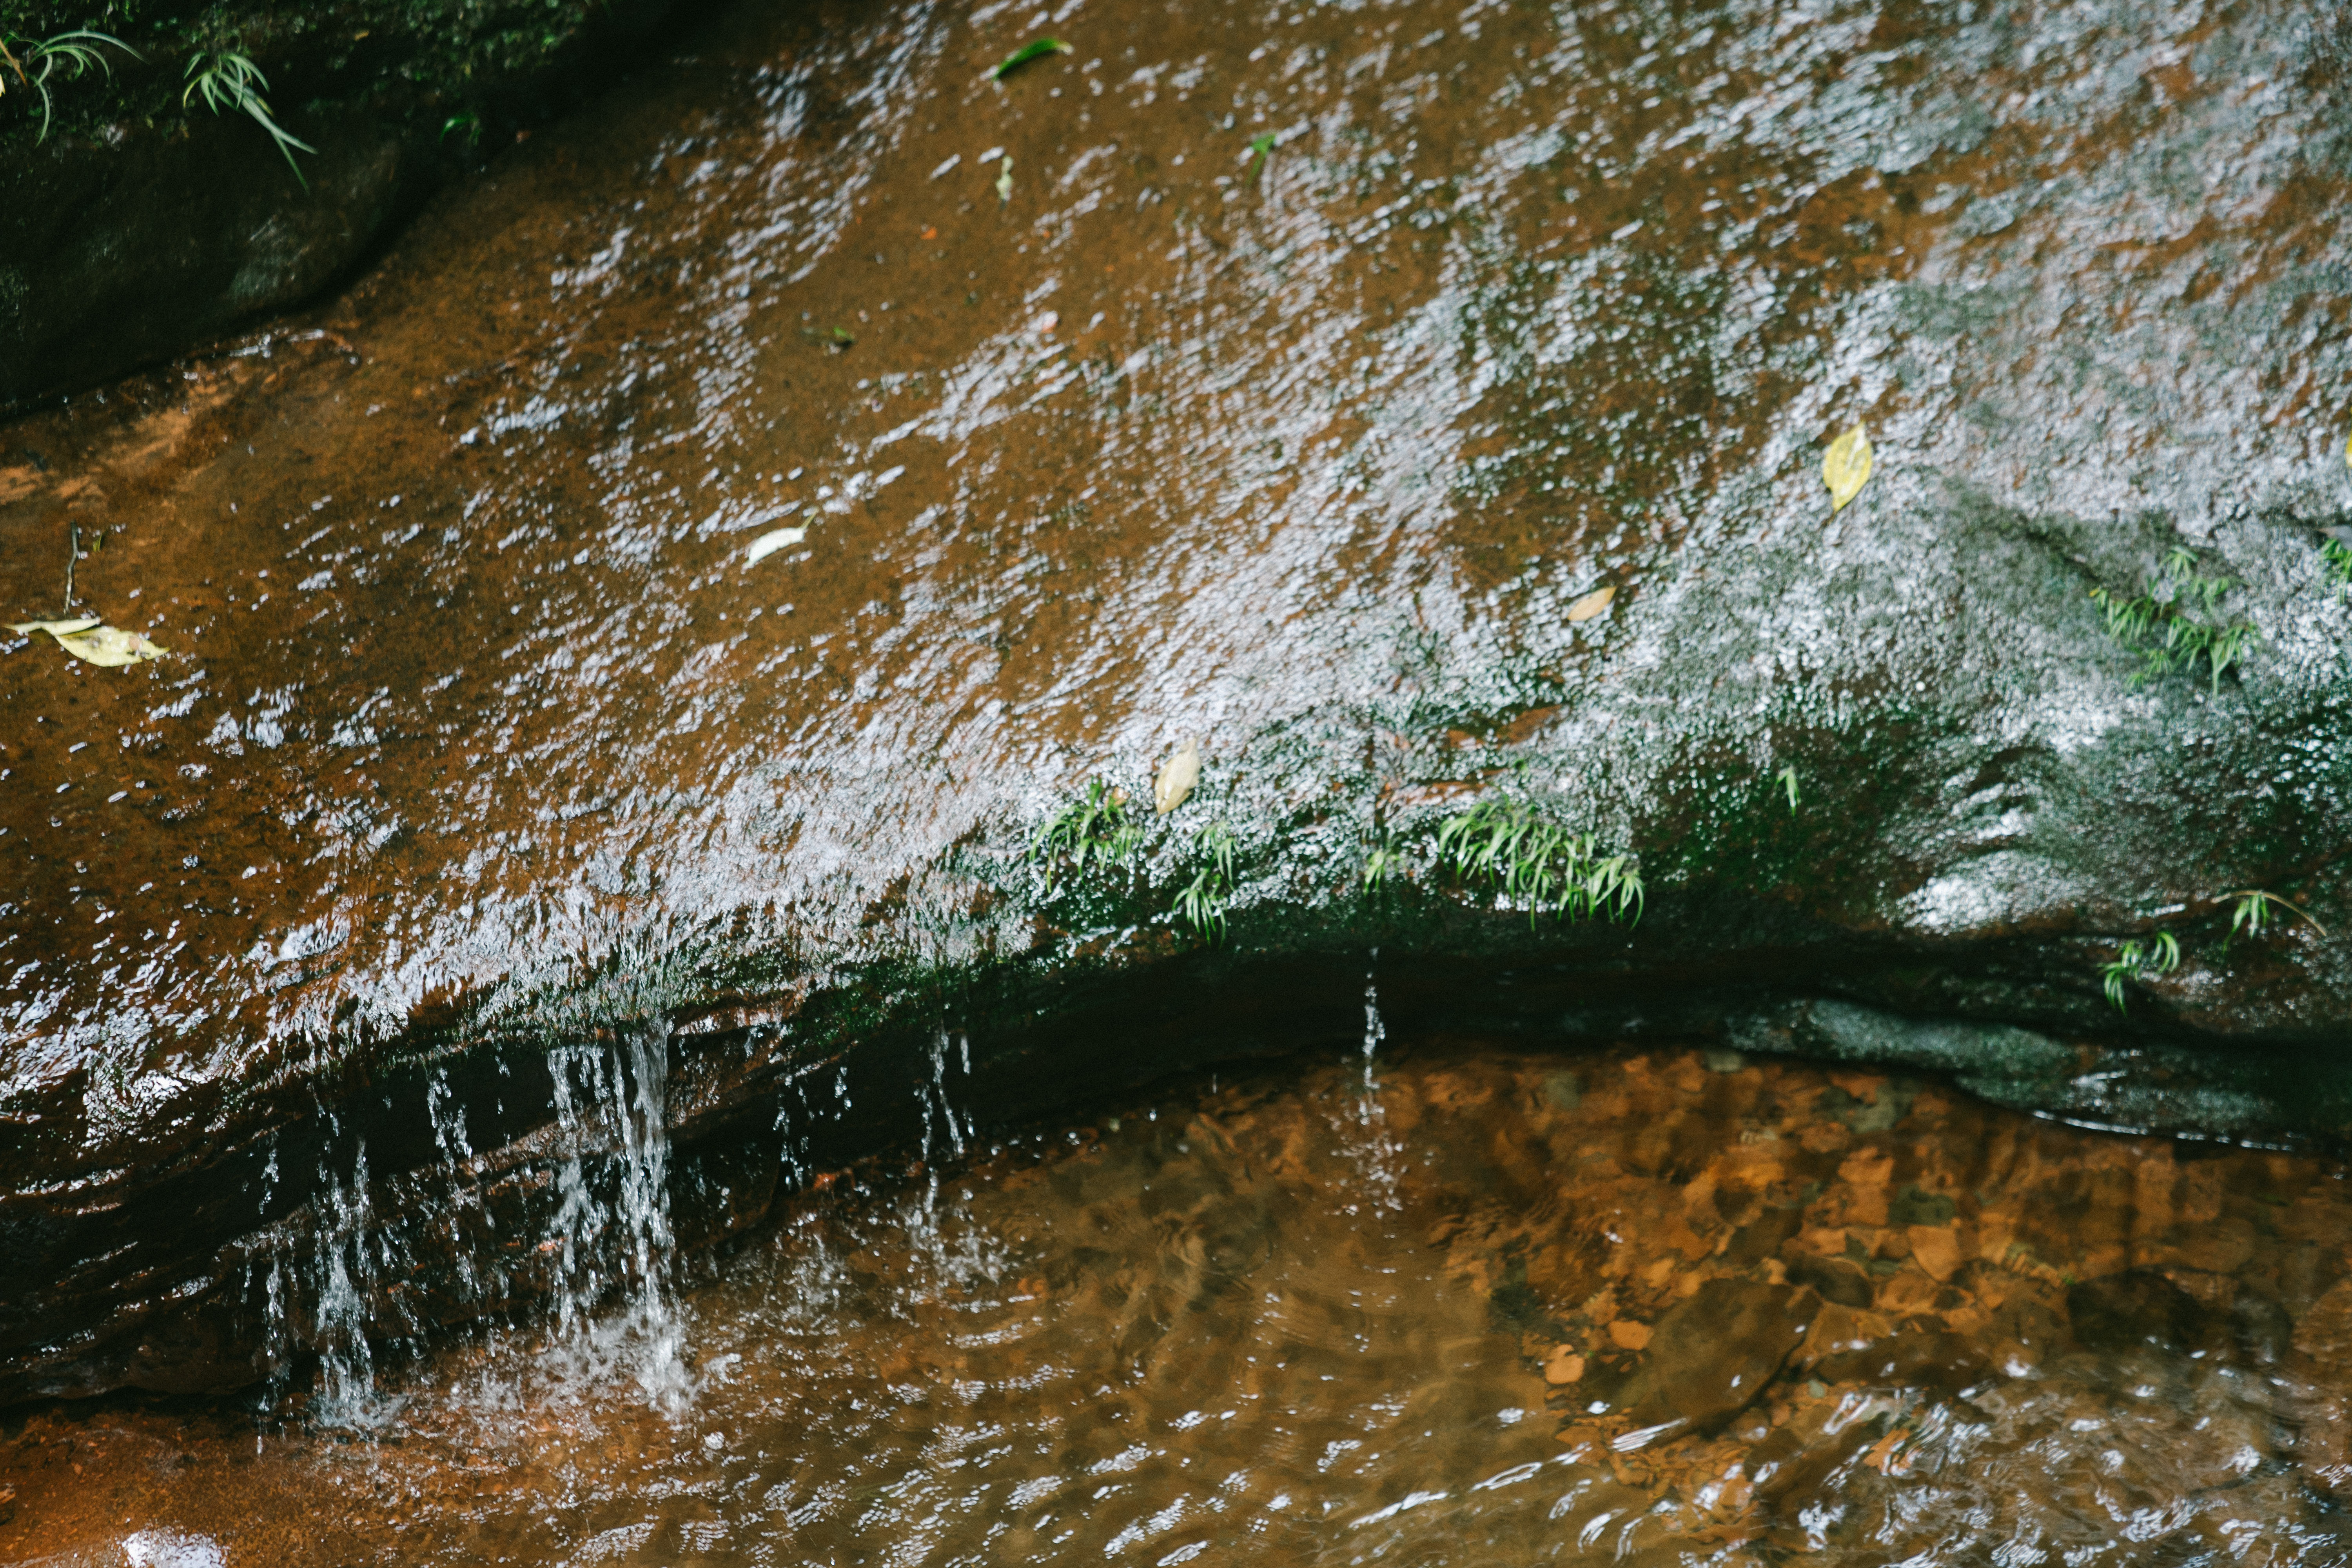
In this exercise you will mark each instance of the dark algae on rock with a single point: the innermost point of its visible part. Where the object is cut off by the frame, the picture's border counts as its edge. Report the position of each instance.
(691, 634)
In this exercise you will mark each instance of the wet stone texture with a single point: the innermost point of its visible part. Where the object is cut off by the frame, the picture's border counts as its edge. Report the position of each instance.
(136, 225)
(483, 753)
(1291, 1320)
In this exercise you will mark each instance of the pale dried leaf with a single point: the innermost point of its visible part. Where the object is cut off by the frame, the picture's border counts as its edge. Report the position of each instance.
(1591, 605)
(93, 642)
(1177, 776)
(1846, 467)
(767, 543)
(110, 647)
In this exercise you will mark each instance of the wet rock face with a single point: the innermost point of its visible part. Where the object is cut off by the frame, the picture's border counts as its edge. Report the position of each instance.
(132, 236)
(113, 256)
(482, 735)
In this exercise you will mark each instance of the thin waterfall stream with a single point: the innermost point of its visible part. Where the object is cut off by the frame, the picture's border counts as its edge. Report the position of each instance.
(610, 1102)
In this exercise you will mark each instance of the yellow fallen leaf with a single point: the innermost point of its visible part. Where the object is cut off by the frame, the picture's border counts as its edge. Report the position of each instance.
(1845, 468)
(1177, 776)
(110, 647)
(2348, 451)
(1591, 605)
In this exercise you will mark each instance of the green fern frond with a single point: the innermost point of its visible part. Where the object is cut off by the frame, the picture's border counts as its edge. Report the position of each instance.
(232, 83)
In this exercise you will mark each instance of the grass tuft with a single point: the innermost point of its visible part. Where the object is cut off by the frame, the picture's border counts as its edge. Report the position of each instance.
(1096, 830)
(1202, 902)
(1510, 844)
(232, 83)
(2161, 956)
(2164, 627)
(32, 62)
(2336, 559)
(2251, 912)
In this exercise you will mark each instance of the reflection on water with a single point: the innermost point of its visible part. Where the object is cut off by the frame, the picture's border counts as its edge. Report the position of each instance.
(1672, 1307)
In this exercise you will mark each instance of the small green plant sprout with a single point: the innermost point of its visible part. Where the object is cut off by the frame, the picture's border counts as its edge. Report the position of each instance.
(1027, 52)
(1261, 150)
(232, 84)
(1788, 777)
(467, 121)
(1379, 865)
(1511, 844)
(2167, 631)
(2251, 912)
(2160, 955)
(32, 62)
(1202, 903)
(1096, 830)
(2336, 559)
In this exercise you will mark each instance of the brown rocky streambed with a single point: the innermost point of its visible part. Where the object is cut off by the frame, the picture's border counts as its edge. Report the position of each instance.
(493, 810)
(1659, 1306)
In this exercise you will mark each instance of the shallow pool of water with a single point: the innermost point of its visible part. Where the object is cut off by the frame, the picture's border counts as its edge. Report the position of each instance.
(1659, 1307)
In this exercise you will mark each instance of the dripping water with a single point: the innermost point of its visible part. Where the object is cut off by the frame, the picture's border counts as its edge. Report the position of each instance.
(957, 1251)
(447, 1117)
(1375, 1152)
(346, 1278)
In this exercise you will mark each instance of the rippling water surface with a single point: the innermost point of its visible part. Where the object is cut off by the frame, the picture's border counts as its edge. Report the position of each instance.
(1666, 1307)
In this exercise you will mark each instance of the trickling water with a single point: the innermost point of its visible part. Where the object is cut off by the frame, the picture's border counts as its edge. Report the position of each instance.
(346, 1273)
(1377, 1150)
(937, 1090)
(447, 1114)
(611, 1232)
(952, 1249)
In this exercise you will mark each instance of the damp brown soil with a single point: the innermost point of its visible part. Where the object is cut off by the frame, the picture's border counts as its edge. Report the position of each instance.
(1661, 1306)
